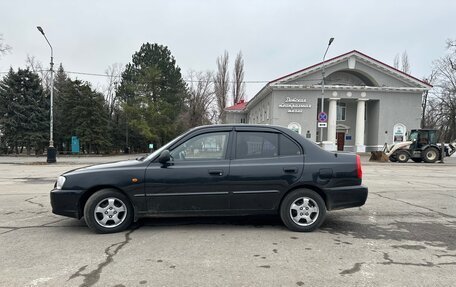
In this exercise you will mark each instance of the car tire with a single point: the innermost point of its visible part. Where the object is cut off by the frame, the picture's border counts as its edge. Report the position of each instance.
(402, 156)
(430, 155)
(108, 211)
(303, 210)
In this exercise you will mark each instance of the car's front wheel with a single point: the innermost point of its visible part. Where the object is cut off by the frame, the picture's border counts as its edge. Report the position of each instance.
(108, 211)
(303, 210)
(402, 156)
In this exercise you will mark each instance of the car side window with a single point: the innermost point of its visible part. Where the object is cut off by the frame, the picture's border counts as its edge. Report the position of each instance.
(256, 145)
(288, 147)
(202, 147)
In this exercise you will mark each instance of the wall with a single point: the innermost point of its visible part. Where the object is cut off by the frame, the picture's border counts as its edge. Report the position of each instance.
(235, 117)
(402, 108)
(261, 113)
(306, 118)
(373, 133)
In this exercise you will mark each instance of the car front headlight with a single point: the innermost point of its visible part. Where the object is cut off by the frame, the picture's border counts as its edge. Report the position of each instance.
(60, 182)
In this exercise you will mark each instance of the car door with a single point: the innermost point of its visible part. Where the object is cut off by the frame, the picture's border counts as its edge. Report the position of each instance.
(195, 178)
(265, 164)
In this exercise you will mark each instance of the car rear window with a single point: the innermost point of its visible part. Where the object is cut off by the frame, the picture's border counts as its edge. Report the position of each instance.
(288, 147)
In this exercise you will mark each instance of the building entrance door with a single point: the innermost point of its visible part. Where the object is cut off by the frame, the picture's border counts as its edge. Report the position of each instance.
(340, 140)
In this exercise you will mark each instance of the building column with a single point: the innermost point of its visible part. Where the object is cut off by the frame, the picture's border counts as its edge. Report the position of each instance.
(332, 123)
(359, 137)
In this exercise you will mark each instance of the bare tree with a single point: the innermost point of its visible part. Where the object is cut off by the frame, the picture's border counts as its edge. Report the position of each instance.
(4, 48)
(405, 63)
(33, 64)
(221, 85)
(424, 100)
(441, 106)
(238, 79)
(201, 98)
(396, 62)
(401, 62)
(37, 67)
(113, 74)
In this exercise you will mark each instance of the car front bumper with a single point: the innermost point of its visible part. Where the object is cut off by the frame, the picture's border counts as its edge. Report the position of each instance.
(345, 197)
(66, 202)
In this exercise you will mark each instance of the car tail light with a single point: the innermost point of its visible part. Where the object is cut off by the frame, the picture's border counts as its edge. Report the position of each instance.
(358, 167)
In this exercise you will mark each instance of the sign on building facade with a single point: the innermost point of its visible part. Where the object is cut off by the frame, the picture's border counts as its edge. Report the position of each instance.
(399, 133)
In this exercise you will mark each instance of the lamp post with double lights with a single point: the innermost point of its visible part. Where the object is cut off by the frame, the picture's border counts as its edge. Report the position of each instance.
(323, 87)
(51, 152)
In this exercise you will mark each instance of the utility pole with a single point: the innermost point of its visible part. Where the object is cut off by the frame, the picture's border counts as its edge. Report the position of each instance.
(323, 87)
(51, 151)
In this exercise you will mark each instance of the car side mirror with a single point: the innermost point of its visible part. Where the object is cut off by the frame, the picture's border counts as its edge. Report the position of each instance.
(164, 157)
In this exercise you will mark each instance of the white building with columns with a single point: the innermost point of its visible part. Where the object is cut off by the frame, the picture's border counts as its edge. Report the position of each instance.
(367, 103)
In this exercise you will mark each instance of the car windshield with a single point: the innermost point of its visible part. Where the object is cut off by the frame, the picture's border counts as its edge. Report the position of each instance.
(413, 136)
(158, 151)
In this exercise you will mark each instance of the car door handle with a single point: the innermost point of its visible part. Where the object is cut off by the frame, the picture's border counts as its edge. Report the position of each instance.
(216, 172)
(290, 170)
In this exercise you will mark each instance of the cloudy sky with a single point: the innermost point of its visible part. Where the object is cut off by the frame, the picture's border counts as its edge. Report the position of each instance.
(276, 37)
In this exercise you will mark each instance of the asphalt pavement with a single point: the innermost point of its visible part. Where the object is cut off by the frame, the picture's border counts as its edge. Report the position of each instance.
(405, 235)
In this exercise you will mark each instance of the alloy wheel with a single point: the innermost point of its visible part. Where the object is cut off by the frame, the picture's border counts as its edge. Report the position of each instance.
(110, 212)
(304, 211)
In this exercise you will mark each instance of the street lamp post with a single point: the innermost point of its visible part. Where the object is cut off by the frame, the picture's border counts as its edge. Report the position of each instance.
(51, 152)
(323, 87)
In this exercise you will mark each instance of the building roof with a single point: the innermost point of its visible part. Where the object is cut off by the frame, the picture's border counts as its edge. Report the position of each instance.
(240, 106)
(346, 55)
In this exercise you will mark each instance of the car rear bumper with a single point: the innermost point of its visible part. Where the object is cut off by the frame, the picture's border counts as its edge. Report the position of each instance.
(66, 202)
(345, 197)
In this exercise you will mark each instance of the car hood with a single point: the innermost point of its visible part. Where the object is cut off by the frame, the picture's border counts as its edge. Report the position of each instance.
(106, 166)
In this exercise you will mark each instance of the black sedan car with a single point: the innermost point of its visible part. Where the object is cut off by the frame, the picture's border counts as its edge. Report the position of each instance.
(216, 170)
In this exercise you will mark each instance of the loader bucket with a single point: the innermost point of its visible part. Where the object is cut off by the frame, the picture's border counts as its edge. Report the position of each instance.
(379, 156)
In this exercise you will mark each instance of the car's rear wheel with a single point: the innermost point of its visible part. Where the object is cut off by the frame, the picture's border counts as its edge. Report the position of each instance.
(430, 155)
(108, 211)
(303, 210)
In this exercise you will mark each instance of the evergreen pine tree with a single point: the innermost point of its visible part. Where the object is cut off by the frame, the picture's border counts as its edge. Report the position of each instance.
(23, 112)
(62, 136)
(153, 92)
